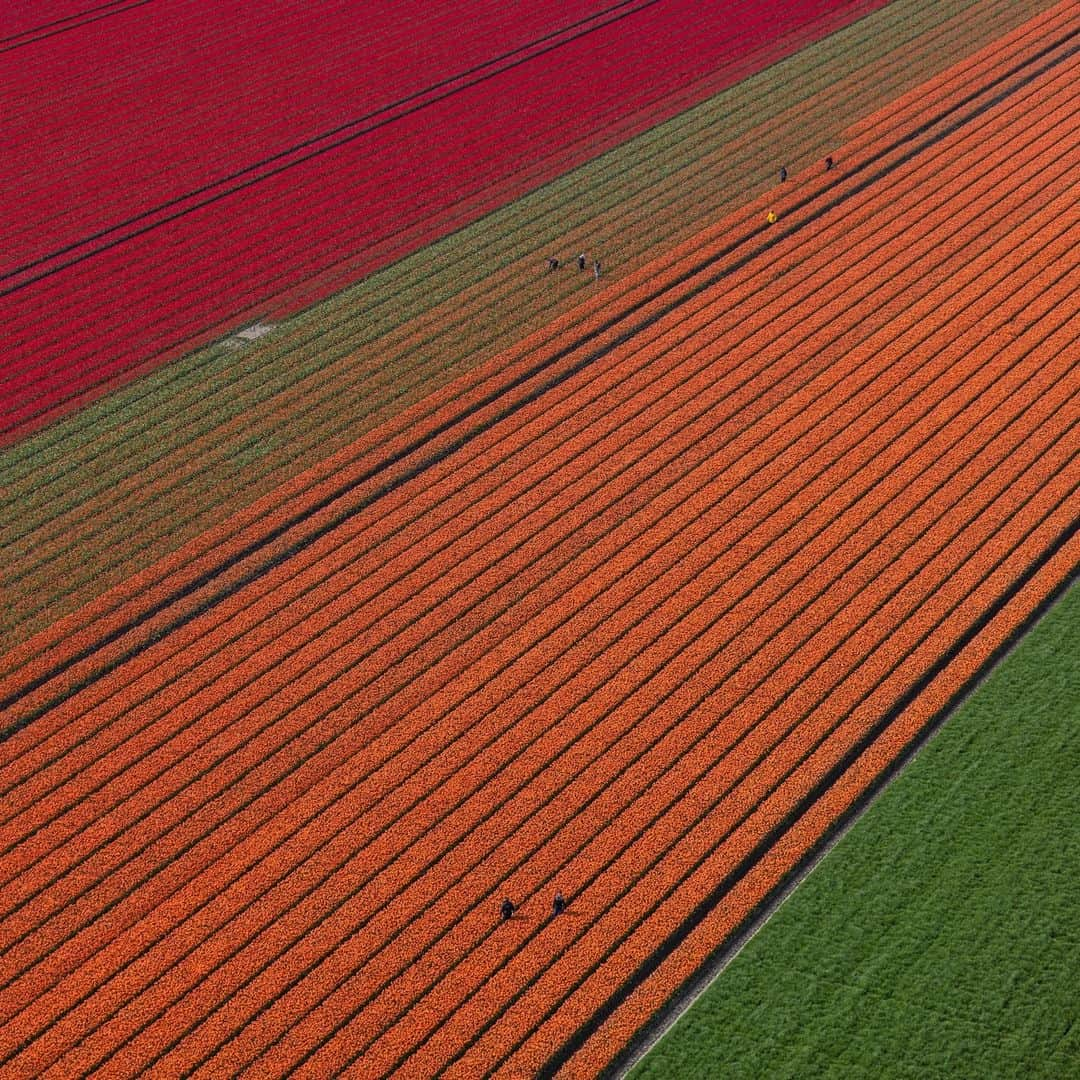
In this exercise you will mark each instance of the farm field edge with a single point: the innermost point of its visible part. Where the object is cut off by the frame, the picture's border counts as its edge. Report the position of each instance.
(924, 942)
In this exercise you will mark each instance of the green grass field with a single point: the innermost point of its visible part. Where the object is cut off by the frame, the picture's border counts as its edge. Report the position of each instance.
(941, 936)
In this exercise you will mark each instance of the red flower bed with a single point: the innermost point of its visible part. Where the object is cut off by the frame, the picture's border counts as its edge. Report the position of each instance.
(118, 254)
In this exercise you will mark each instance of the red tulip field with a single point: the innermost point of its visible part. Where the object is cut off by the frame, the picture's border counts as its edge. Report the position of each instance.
(638, 609)
(96, 286)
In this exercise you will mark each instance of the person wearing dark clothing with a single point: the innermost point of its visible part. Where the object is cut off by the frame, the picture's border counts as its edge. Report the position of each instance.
(581, 262)
(558, 905)
(783, 173)
(828, 163)
(553, 264)
(507, 909)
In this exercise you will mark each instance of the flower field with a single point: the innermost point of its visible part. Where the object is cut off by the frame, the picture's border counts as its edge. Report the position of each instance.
(265, 192)
(636, 608)
(107, 492)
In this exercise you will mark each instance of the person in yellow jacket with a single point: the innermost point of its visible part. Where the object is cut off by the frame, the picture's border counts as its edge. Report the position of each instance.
(770, 217)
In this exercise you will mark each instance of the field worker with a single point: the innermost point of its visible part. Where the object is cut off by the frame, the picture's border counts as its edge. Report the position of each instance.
(596, 269)
(581, 261)
(553, 264)
(507, 909)
(783, 173)
(770, 217)
(558, 905)
(828, 163)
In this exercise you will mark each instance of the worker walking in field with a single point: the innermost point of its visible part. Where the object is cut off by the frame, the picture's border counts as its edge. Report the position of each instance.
(581, 261)
(558, 905)
(507, 909)
(770, 217)
(783, 173)
(596, 270)
(828, 163)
